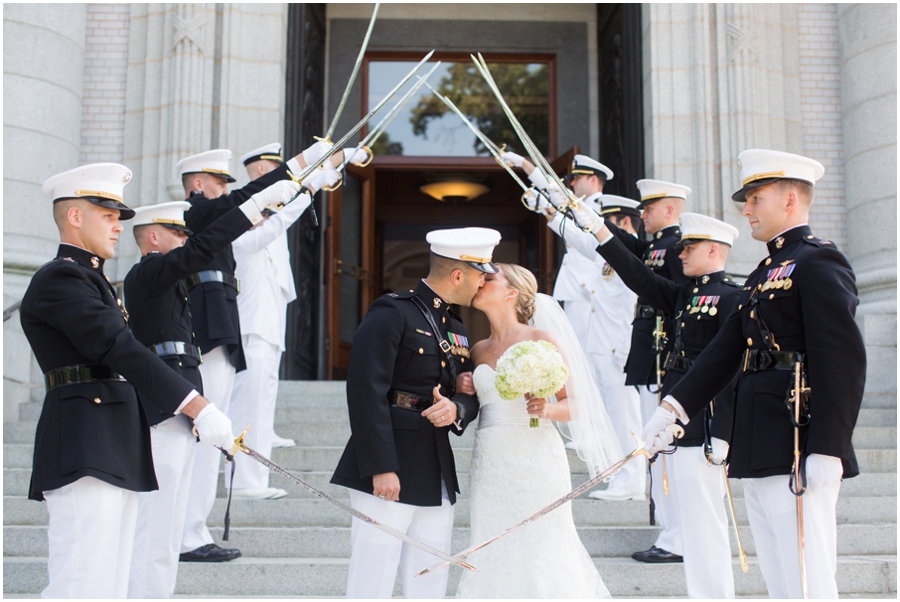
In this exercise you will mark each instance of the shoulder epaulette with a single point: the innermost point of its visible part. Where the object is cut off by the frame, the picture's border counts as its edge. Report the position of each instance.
(401, 295)
(731, 282)
(818, 242)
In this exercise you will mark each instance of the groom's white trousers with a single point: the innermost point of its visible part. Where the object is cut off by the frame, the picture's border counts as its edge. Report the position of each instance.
(669, 539)
(697, 492)
(376, 555)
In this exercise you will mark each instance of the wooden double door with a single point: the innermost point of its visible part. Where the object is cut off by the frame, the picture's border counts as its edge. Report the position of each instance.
(376, 228)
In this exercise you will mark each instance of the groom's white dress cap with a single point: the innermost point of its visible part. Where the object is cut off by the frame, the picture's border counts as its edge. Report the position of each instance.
(475, 246)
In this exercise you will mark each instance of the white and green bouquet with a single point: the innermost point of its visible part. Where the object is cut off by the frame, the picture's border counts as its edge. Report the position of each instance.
(534, 367)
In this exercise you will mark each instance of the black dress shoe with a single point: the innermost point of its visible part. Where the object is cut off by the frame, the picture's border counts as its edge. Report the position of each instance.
(655, 554)
(209, 553)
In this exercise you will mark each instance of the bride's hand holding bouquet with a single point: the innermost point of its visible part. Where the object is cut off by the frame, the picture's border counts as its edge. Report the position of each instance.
(534, 368)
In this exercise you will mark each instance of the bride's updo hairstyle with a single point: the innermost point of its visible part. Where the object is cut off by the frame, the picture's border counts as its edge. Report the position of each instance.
(522, 280)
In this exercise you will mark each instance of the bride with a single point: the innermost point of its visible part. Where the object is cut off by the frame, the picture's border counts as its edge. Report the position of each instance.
(517, 470)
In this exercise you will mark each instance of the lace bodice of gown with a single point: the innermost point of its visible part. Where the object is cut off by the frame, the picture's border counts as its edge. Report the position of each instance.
(515, 471)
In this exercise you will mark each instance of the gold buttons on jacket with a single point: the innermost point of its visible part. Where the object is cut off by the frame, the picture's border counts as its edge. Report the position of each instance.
(768, 260)
(443, 364)
(421, 351)
(696, 290)
(749, 342)
(97, 400)
(443, 320)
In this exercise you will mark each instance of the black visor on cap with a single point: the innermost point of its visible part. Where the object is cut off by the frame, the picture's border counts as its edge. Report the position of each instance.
(620, 211)
(179, 228)
(487, 268)
(125, 212)
(741, 195)
(226, 177)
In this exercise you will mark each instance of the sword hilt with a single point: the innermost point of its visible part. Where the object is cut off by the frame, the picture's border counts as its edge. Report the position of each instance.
(239, 443)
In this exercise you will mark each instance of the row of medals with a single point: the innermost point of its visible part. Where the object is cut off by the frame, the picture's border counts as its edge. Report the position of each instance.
(712, 310)
(655, 262)
(784, 283)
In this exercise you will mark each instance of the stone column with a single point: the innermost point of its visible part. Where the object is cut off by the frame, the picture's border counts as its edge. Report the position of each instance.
(43, 72)
(867, 36)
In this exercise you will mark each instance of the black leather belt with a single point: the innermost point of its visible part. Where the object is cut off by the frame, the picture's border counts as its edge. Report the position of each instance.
(678, 363)
(212, 276)
(644, 311)
(79, 373)
(758, 360)
(410, 401)
(177, 348)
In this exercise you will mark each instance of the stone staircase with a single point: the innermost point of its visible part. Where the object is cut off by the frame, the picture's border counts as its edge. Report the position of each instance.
(300, 545)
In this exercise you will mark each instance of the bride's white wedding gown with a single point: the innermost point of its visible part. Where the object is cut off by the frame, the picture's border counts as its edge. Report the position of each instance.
(516, 471)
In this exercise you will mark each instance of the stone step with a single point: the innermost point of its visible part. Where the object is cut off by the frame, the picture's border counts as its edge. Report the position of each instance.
(294, 512)
(334, 542)
(320, 577)
(16, 482)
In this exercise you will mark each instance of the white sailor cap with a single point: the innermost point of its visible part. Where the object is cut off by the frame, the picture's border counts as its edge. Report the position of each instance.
(654, 190)
(99, 183)
(697, 228)
(760, 167)
(475, 246)
(214, 162)
(613, 205)
(270, 152)
(582, 165)
(170, 215)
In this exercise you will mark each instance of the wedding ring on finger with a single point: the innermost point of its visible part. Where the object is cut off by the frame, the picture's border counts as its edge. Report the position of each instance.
(441, 418)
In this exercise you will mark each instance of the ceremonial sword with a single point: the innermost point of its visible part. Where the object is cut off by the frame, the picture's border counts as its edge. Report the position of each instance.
(537, 158)
(797, 481)
(337, 145)
(359, 61)
(616, 467)
(239, 445)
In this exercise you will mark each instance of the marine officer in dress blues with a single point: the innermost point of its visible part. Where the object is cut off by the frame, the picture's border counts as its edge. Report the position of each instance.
(213, 292)
(399, 466)
(92, 448)
(700, 307)
(796, 310)
(160, 318)
(661, 205)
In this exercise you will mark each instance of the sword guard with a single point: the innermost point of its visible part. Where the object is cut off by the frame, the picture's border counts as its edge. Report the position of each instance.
(326, 140)
(239, 442)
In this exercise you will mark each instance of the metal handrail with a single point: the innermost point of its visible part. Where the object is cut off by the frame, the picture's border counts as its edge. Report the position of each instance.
(9, 311)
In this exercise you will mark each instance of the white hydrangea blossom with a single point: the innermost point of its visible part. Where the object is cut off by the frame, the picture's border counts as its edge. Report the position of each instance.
(534, 367)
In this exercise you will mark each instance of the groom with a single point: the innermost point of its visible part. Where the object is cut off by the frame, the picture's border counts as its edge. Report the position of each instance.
(401, 381)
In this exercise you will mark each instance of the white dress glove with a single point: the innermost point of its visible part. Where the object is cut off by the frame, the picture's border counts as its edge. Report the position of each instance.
(587, 217)
(214, 428)
(357, 156)
(558, 198)
(535, 201)
(719, 450)
(512, 158)
(276, 195)
(655, 435)
(322, 177)
(315, 152)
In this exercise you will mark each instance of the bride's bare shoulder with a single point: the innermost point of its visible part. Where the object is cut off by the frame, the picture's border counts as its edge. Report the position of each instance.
(477, 350)
(536, 334)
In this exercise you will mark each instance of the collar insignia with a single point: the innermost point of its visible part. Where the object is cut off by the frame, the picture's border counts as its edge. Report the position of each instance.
(95, 263)
(779, 242)
(437, 303)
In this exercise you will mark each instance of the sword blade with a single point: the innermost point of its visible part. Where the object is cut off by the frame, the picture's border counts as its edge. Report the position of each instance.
(359, 61)
(351, 510)
(547, 509)
(337, 145)
(737, 531)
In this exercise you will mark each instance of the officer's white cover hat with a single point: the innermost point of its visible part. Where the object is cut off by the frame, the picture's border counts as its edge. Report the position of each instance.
(613, 204)
(696, 227)
(98, 183)
(654, 190)
(214, 162)
(170, 215)
(270, 152)
(475, 246)
(760, 167)
(584, 165)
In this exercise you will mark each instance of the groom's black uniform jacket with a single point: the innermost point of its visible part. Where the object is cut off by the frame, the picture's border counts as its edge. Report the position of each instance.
(694, 328)
(658, 255)
(394, 349)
